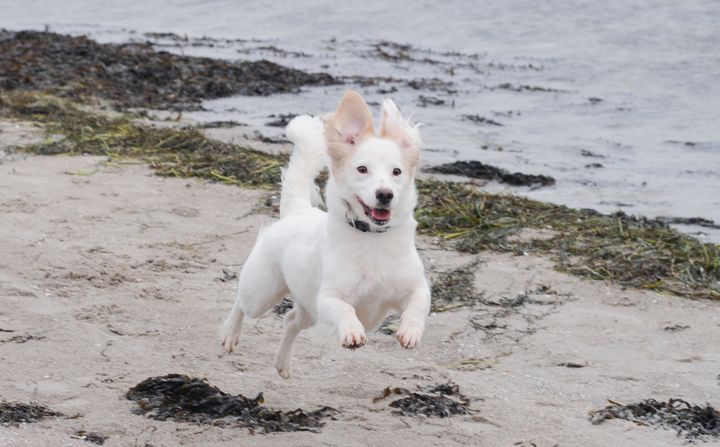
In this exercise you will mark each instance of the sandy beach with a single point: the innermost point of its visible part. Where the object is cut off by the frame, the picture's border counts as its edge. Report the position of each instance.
(140, 157)
(111, 275)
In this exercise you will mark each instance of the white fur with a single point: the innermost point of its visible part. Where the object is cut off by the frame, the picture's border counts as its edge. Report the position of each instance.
(336, 274)
(298, 184)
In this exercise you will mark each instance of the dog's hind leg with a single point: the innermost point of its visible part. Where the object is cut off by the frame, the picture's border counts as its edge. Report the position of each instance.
(230, 332)
(260, 287)
(295, 321)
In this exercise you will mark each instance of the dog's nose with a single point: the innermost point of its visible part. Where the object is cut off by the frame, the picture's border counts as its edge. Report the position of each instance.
(384, 196)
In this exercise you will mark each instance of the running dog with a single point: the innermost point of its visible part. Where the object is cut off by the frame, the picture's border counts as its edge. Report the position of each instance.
(352, 265)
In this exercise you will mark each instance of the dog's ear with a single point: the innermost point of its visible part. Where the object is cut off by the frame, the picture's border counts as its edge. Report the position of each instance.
(394, 127)
(347, 126)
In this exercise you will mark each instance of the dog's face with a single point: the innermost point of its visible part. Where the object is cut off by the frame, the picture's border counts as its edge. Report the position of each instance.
(373, 174)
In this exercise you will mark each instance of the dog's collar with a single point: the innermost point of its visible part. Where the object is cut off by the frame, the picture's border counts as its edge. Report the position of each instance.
(358, 224)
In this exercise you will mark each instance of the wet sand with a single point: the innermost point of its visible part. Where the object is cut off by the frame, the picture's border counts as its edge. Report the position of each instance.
(111, 275)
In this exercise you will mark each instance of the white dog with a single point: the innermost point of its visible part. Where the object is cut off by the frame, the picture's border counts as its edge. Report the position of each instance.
(353, 264)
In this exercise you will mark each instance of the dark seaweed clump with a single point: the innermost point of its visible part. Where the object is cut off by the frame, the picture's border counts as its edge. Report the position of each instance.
(690, 421)
(283, 307)
(16, 412)
(477, 119)
(185, 399)
(442, 400)
(135, 75)
(699, 221)
(280, 120)
(22, 339)
(478, 170)
(92, 437)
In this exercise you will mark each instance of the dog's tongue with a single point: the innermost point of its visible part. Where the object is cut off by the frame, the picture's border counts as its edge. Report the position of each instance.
(380, 214)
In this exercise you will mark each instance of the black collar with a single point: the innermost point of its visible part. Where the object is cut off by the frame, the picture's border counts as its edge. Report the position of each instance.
(363, 226)
(358, 224)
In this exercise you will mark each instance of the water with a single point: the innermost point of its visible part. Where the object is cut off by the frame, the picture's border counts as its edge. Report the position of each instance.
(632, 83)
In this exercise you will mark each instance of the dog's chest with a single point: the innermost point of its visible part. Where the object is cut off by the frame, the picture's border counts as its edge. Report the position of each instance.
(380, 275)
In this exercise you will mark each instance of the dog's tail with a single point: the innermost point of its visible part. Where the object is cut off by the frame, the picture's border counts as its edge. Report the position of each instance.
(308, 158)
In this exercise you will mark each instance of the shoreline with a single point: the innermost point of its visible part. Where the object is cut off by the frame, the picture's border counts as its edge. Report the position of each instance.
(585, 185)
(632, 251)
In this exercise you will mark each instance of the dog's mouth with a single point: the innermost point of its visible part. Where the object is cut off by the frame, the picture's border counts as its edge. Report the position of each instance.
(379, 216)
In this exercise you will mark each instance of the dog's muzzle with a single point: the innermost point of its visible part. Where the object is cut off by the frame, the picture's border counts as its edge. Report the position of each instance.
(354, 221)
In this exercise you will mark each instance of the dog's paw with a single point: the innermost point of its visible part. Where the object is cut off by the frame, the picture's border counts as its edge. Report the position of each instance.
(408, 337)
(352, 335)
(230, 342)
(282, 365)
(354, 340)
(283, 371)
(229, 338)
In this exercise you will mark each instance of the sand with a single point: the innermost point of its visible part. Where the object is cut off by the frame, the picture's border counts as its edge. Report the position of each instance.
(118, 276)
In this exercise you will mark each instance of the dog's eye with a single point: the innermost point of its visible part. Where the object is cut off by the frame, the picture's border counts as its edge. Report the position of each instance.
(397, 172)
(362, 169)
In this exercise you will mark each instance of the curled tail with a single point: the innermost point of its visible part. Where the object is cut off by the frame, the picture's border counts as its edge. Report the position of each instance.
(308, 158)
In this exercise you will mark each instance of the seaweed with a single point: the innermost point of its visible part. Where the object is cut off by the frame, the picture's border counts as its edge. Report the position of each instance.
(528, 88)
(221, 124)
(17, 412)
(258, 136)
(699, 221)
(283, 307)
(185, 399)
(404, 53)
(693, 422)
(22, 338)
(632, 251)
(227, 275)
(424, 101)
(431, 84)
(392, 51)
(455, 288)
(479, 170)
(443, 400)
(273, 50)
(390, 325)
(135, 75)
(571, 365)
(676, 328)
(513, 318)
(280, 120)
(178, 152)
(477, 119)
(90, 436)
(628, 250)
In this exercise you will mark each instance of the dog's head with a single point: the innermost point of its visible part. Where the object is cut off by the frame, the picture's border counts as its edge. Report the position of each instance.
(373, 174)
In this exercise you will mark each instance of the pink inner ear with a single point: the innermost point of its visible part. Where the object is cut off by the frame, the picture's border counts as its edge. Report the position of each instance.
(352, 120)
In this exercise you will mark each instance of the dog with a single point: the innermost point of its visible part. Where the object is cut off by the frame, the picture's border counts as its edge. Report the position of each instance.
(352, 265)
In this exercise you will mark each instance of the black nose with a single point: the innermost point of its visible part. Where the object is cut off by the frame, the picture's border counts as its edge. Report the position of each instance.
(384, 196)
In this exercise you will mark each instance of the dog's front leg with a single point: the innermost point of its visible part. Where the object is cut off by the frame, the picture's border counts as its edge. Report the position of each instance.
(412, 319)
(342, 314)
